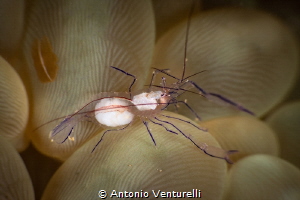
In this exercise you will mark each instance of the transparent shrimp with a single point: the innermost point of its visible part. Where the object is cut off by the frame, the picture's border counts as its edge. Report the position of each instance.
(119, 110)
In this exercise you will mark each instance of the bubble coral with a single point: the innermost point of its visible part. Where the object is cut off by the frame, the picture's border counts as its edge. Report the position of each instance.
(263, 177)
(285, 123)
(14, 178)
(250, 57)
(13, 107)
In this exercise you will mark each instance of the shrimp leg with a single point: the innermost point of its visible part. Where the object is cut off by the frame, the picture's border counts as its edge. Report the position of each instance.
(107, 132)
(217, 152)
(146, 124)
(201, 129)
(128, 74)
(209, 150)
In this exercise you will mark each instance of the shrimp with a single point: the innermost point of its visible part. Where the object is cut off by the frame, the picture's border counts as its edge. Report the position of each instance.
(117, 111)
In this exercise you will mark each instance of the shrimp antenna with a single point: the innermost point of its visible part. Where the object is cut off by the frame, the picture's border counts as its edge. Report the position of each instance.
(194, 74)
(186, 40)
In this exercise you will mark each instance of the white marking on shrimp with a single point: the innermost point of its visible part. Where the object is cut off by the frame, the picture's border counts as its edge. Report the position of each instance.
(113, 112)
(149, 99)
